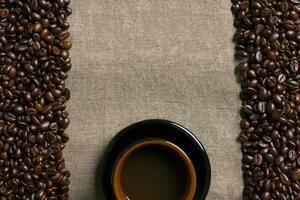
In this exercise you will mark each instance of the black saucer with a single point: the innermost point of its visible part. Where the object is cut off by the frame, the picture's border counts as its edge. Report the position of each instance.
(157, 128)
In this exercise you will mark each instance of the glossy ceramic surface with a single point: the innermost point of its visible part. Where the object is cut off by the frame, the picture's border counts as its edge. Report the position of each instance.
(162, 130)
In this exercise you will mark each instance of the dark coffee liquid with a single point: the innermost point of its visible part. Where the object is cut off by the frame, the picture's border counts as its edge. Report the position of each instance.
(153, 173)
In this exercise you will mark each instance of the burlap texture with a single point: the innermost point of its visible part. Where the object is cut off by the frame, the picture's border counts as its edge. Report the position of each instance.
(141, 59)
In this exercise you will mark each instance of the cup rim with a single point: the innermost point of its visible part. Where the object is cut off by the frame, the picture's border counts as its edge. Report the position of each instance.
(178, 135)
(188, 165)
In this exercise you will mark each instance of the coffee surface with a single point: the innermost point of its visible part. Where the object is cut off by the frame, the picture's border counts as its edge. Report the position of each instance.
(153, 172)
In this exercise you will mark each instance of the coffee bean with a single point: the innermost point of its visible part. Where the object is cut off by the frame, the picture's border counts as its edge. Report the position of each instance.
(277, 100)
(4, 13)
(44, 34)
(65, 123)
(279, 89)
(295, 1)
(281, 78)
(289, 134)
(262, 94)
(267, 185)
(281, 197)
(9, 117)
(34, 62)
(56, 92)
(289, 24)
(247, 159)
(271, 82)
(269, 158)
(12, 72)
(49, 97)
(257, 159)
(19, 110)
(29, 68)
(67, 45)
(258, 57)
(18, 153)
(297, 98)
(244, 124)
(296, 175)
(294, 66)
(272, 55)
(39, 159)
(36, 16)
(284, 179)
(298, 161)
(292, 155)
(293, 86)
(8, 94)
(267, 37)
(266, 196)
(31, 111)
(41, 195)
(261, 107)
(3, 155)
(290, 34)
(44, 126)
(64, 35)
(296, 186)
(37, 27)
(27, 177)
(62, 3)
(274, 37)
(241, 55)
(40, 139)
(28, 97)
(251, 73)
(270, 108)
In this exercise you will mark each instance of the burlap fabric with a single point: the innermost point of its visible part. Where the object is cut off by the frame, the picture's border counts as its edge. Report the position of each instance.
(141, 59)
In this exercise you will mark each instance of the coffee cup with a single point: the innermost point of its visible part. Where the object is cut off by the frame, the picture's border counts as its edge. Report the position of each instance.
(132, 158)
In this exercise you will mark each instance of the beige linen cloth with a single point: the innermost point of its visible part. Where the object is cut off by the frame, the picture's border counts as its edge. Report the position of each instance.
(142, 59)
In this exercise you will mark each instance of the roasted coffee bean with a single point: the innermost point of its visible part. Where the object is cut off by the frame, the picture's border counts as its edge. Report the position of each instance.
(296, 187)
(49, 97)
(44, 126)
(293, 86)
(40, 139)
(294, 66)
(266, 196)
(292, 155)
(262, 94)
(281, 78)
(289, 134)
(296, 175)
(269, 158)
(37, 27)
(19, 109)
(67, 45)
(9, 117)
(241, 55)
(261, 107)
(258, 57)
(257, 159)
(34, 60)
(41, 195)
(267, 37)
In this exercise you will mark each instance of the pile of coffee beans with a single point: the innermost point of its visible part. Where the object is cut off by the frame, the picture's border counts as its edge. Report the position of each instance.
(267, 42)
(34, 60)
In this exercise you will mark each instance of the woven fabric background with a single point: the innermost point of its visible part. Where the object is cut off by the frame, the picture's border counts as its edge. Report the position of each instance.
(141, 59)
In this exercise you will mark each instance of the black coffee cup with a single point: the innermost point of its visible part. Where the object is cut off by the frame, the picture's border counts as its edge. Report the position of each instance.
(156, 130)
